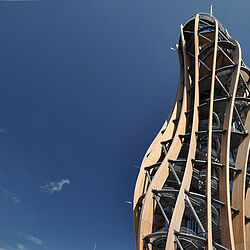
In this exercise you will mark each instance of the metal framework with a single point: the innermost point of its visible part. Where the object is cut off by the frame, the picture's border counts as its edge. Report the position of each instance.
(192, 190)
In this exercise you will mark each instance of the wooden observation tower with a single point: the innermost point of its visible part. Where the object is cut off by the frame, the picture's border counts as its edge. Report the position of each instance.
(192, 190)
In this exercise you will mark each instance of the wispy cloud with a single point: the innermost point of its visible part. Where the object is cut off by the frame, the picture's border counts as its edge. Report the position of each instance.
(21, 247)
(3, 130)
(53, 187)
(9, 195)
(18, 247)
(35, 240)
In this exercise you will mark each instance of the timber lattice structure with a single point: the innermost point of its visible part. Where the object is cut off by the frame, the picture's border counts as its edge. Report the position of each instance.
(192, 190)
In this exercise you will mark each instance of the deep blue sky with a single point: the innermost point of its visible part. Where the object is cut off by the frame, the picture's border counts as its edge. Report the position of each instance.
(85, 85)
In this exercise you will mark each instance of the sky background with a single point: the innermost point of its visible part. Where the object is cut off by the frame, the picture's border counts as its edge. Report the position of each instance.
(85, 85)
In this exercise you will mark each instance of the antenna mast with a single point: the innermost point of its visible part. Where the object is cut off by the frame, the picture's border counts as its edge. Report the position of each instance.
(211, 10)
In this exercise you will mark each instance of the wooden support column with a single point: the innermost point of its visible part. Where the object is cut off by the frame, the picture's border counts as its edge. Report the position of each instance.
(147, 213)
(227, 238)
(186, 181)
(239, 190)
(247, 213)
(209, 147)
(154, 152)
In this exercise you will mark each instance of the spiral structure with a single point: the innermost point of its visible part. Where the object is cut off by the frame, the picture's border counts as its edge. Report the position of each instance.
(192, 191)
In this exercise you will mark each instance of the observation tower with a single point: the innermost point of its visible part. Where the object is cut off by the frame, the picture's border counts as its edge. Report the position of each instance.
(192, 190)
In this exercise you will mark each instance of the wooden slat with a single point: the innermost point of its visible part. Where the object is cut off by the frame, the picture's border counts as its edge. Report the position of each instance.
(209, 147)
(147, 213)
(227, 238)
(186, 181)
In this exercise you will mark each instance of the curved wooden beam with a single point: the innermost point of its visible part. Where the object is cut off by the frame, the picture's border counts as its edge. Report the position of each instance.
(227, 238)
(186, 181)
(154, 152)
(247, 213)
(147, 214)
(209, 147)
(239, 190)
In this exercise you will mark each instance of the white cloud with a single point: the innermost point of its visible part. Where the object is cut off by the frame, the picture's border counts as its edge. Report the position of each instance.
(9, 195)
(53, 187)
(3, 130)
(5, 247)
(21, 247)
(32, 238)
(18, 247)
